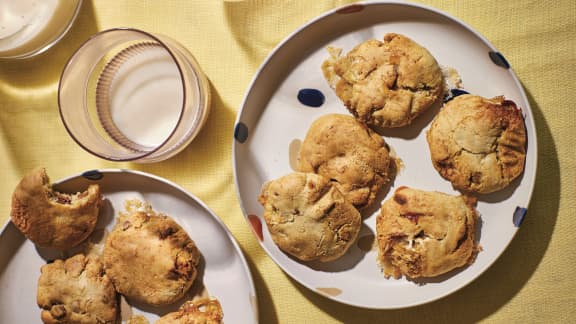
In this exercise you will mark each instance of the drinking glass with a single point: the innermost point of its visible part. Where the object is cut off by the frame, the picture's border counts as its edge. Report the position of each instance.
(130, 95)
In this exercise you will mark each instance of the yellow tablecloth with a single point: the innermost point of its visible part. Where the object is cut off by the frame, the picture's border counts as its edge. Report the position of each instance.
(530, 283)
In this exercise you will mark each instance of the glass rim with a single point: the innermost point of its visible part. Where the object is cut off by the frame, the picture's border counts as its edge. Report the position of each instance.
(156, 148)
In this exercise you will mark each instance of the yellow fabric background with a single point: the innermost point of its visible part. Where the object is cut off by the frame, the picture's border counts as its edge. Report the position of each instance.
(530, 283)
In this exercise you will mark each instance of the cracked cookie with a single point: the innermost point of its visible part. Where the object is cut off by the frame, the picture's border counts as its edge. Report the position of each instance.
(385, 83)
(308, 217)
(149, 257)
(346, 151)
(76, 290)
(425, 233)
(50, 218)
(205, 311)
(478, 144)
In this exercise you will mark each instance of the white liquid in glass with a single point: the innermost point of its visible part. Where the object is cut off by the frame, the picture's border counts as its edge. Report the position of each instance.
(28, 25)
(146, 97)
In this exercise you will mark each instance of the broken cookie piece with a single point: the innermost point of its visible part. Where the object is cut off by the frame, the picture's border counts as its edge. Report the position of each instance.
(50, 218)
(205, 311)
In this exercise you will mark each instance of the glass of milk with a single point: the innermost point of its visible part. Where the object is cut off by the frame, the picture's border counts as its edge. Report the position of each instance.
(30, 27)
(129, 95)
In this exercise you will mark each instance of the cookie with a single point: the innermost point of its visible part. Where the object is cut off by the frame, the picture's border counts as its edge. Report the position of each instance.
(308, 217)
(76, 290)
(149, 257)
(346, 151)
(205, 311)
(425, 234)
(137, 319)
(50, 218)
(385, 83)
(478, 144)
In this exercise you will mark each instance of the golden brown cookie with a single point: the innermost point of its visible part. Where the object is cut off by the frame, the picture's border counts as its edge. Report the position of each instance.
(50, 218)
(201, 311)
(478, 144)
(425, 233)
(76, 290)
(344, 150)
(149, 257)
(385, 83)
(137, 319)
(308, 217)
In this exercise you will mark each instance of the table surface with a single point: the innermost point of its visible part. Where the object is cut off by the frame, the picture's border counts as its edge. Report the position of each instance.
(530, 282)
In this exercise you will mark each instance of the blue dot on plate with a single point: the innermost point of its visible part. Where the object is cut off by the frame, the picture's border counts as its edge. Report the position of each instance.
(311, 97)
(499, 59)
(241, 132)
(519, 215)
(92, 175)
(453, 93)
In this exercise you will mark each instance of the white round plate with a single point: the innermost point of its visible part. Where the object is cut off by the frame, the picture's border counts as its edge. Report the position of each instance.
(225, 275)
(272, 121)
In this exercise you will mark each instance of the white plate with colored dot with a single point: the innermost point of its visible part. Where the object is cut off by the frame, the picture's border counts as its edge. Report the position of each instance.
(224, 273)
(289, 92)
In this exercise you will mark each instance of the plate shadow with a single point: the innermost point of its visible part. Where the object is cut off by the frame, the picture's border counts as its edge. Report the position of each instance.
(266, 308)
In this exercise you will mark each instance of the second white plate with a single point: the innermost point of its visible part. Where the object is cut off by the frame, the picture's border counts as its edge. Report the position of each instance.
(225, 273)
